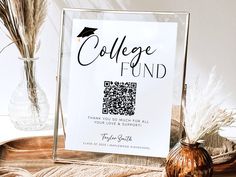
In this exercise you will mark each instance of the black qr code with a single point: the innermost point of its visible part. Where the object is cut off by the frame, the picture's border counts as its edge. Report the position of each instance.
(119, 98)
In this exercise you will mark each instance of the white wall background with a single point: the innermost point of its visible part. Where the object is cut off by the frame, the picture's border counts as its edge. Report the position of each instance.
(212, 42)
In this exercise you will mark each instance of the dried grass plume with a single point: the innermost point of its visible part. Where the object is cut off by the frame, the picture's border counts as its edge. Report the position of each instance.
(203, 112)
(23, 20)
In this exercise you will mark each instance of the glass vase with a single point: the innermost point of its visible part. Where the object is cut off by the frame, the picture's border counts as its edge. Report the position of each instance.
(28, 107)
(189, 160)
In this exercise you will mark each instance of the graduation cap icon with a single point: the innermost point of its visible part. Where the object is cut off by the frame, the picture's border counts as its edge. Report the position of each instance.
(87, 31)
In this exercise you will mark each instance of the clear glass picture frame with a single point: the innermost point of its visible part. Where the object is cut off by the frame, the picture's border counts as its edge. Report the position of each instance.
(60, 154)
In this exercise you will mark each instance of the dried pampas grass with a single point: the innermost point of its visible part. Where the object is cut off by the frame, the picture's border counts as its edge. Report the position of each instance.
(203, 112)
(23, 20)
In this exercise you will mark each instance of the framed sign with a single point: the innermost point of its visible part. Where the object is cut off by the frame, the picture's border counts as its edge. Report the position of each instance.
(120, 83)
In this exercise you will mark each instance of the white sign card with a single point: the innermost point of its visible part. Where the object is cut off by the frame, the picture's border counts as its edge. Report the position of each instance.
(121, 86)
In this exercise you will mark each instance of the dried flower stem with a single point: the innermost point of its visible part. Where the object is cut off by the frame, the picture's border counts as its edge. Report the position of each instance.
(31, 83)
(23, 20)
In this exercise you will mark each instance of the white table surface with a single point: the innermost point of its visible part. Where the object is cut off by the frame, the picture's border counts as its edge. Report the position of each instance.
(9, 132)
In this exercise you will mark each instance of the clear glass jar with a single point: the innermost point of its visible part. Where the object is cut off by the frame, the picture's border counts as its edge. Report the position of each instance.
(28, 107)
